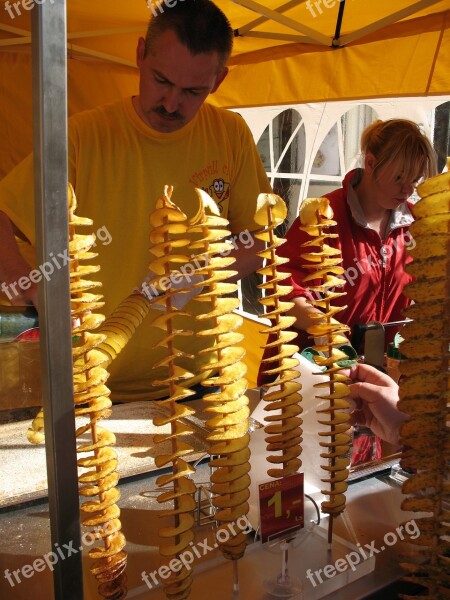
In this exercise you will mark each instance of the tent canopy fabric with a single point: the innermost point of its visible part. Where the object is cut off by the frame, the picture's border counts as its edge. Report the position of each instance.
(285, 51)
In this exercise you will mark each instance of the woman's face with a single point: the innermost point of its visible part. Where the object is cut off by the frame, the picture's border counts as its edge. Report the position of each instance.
(389, 189)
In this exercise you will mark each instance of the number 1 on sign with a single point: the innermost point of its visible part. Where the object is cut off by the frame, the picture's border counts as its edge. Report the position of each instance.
(276, 500)
(281, 506)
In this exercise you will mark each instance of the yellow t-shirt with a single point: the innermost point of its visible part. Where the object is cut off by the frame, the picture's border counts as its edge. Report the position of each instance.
(119, 167)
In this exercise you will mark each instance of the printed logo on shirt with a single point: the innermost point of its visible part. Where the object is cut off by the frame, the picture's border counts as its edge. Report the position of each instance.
(202, 176)
(214, 179)
(219, 191)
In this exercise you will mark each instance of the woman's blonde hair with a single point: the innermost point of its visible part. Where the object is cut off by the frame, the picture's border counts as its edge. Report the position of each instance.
(400, 145)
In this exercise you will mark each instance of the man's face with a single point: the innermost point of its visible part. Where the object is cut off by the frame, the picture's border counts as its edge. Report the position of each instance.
(174, 83)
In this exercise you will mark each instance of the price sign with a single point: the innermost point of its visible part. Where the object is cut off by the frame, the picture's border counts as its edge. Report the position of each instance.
(281, 506)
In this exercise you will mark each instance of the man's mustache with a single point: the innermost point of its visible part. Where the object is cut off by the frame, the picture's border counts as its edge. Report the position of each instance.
(176, 116)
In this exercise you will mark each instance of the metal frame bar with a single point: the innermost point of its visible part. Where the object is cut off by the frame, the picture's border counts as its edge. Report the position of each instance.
(260, 20)
(283, 37)
(273, 15)
(50, 167)
(388, 20)
(340, 18)
(25, 38)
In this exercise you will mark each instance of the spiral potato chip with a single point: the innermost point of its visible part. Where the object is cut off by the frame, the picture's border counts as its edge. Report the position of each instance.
(229, 406)
(325, 266)
(424, 388)
(92, 402)
(170, 226)
(283, 402)
(121, 325)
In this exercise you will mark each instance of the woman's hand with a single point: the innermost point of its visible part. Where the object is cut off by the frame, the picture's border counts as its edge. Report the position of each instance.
(375, 397)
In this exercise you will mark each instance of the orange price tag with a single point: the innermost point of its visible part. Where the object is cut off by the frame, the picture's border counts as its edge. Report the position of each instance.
(281, 507)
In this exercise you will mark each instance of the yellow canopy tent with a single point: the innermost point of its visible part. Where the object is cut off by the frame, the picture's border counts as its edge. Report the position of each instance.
(285, 52)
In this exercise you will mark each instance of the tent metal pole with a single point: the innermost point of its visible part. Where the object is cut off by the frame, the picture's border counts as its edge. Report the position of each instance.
(50, 168)
(337, 33)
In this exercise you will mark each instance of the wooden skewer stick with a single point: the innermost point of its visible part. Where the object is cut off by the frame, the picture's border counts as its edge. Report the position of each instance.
(235, 577)
(330, 531)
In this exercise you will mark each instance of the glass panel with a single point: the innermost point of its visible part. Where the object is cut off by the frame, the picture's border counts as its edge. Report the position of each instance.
(264, 149)
(326, 161)
(340, 150)
(289, 149)
(289, 190)
(288, 144)
(353, 124)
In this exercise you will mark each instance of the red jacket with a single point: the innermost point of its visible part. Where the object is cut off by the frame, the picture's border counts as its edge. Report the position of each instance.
(374, 271)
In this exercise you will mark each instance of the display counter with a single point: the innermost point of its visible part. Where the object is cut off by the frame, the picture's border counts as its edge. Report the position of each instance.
(369, 522)
(372, 513)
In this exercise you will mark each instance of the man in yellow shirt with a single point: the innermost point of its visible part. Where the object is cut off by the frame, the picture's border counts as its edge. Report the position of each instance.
(120, 158)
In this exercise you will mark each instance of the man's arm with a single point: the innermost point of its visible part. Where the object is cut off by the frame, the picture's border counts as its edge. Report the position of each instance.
(13, 266)
(301, 310)
(245, 253)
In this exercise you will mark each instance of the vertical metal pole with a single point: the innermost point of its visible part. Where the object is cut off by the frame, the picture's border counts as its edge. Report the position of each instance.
(50, 167)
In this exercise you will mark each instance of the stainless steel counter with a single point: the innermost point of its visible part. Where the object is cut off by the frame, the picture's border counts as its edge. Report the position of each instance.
(373, 512)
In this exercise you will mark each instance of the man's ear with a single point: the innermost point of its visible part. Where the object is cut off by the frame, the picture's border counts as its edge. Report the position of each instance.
(140, 51)
(220, 77)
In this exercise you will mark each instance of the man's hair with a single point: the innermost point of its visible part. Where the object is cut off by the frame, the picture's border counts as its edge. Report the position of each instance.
(199, 24)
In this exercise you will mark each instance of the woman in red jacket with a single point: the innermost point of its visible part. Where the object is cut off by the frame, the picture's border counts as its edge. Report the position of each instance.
(373, 216)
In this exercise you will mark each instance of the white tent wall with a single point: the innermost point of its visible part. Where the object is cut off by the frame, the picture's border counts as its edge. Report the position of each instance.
(320, 118)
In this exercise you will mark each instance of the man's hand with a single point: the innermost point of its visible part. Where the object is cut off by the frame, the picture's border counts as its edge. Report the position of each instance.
(375, 397)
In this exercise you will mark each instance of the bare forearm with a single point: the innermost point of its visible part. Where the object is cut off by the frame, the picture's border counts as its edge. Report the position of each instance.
(13, 266)
(301, 311)
(245, 253)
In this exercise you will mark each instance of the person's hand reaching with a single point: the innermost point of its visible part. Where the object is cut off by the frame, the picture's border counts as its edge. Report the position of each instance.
(375, 396)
